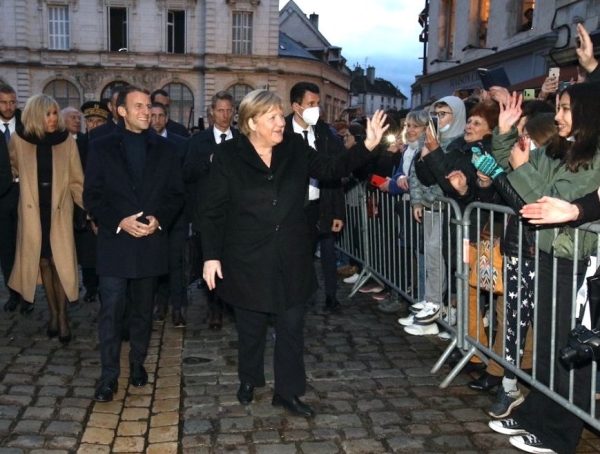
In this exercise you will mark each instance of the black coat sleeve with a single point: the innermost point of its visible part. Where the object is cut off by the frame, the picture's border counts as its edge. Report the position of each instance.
(6, 177)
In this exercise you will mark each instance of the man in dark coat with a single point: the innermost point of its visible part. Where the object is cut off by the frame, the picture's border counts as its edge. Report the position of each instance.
(326, 207)
(133, 188)
(112, 120)
(172, 286)
(10, 118)
(172, 126)
(202, 148)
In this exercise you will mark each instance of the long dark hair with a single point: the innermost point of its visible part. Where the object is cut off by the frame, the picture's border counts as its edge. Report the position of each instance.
(585, 125)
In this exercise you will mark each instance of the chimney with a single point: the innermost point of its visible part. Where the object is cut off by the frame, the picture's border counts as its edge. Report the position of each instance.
(314, 18)
(371, 74)
(358, 71)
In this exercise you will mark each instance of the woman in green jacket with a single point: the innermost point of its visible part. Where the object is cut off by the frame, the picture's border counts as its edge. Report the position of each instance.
(567, 168)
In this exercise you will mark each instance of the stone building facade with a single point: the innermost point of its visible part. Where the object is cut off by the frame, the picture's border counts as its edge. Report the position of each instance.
(77, 50)
(464, 35)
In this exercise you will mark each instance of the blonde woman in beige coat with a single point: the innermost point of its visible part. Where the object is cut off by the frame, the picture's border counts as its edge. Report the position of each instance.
(44, 157)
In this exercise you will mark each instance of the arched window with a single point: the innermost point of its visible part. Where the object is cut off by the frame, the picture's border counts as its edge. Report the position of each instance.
(182, 103)
(239, 91)
(65, 93)
(106, 91)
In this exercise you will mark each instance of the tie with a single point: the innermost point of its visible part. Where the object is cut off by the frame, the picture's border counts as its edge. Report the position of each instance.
(223, 137)
(305, 132)
(6, 133)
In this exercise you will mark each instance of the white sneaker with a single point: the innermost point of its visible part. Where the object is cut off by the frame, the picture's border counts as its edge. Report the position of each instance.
(444, 336)
(407, 321)
(422, 330)
(352, 279)
(417, 307)
(449, 316)
(429, 313)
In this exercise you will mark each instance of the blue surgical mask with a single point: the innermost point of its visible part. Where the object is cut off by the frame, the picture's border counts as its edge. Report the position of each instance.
(445, 128)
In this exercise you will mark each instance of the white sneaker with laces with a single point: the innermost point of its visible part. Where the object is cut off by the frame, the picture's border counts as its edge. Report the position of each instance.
(506, 427)
(429, 313)
(407, 321)
(422, 330)
(529, 443)
(414, 308)
(352, 279)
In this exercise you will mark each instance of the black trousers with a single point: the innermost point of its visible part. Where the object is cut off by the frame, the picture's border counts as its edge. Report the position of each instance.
(327, 242)
(290, 374)
(172, 286)
(111, 319)
(8, 232)
(558, 428)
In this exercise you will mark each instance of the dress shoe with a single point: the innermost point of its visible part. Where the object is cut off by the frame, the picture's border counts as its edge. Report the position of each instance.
(332, 304)
(216, 320)
(26, 308)
(139, 376)
(178, 320)
(161, 312)
(105, 391)
(12, 303)
(485, 382)
(90, 296)
(295, 405)
(246, 393)
(473, 367)
(52, 330)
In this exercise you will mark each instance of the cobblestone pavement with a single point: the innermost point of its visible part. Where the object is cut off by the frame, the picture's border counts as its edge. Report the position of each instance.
(369, 382)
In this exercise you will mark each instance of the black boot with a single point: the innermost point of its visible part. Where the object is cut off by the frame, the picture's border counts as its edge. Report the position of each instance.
(332, 304)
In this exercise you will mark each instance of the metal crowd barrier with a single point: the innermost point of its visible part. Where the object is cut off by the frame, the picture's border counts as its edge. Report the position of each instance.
(382, 235)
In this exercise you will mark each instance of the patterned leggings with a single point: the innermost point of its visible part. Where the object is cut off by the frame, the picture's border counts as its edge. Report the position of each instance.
(514, 290)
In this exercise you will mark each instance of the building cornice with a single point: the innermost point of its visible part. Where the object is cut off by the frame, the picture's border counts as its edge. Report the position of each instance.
(544, 42)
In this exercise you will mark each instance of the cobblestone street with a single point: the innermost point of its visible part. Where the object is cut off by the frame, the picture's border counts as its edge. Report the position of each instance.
(368, 381)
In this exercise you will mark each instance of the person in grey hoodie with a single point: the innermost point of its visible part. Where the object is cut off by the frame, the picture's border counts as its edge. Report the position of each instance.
(451, 114)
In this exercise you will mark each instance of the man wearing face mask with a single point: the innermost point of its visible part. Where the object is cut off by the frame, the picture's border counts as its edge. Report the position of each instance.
(325, 205)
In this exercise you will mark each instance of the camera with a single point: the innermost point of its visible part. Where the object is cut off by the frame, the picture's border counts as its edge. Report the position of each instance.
(583, 345)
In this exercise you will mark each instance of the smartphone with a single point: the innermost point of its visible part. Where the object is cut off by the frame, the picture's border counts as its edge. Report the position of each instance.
(434, 124)
(554, 73)
(528, 93)
(377, 181)
(495, 77)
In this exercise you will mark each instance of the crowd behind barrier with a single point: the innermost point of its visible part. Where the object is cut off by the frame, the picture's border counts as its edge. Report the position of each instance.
(384, 238)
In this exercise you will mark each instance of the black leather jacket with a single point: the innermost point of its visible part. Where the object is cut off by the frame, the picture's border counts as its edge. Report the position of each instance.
(510, 242)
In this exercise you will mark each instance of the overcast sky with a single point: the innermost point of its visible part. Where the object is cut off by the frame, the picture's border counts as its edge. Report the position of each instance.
(380, 33)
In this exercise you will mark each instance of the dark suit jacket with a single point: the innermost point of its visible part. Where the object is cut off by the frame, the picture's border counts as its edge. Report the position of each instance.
(9, 192)
(254, 221)
(110, 195)
(181, 146)
(197, 164)
(176, 128)
(102, 130)
(333, 202)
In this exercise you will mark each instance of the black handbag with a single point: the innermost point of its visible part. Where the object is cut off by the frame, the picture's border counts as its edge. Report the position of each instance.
(593, 292)
(192, 259)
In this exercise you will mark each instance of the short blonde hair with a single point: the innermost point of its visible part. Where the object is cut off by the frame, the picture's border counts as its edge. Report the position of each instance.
(34, 115)
(256, 103)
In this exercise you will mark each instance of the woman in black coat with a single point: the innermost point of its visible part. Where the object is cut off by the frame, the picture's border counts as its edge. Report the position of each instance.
(255, 238)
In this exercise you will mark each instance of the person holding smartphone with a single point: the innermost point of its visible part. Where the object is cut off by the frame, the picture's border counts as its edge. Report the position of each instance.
(424, 195)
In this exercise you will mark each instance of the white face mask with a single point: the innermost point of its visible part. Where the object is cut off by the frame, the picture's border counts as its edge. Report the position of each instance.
(311, 115)
(445, 128)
